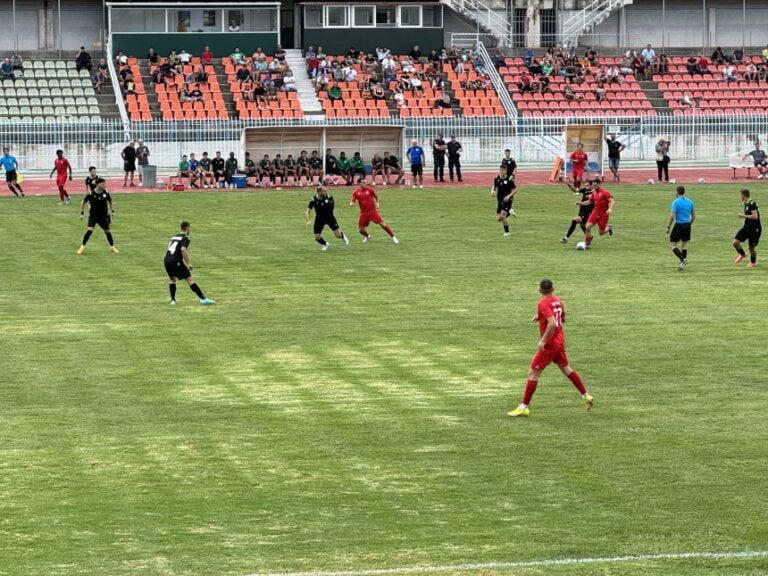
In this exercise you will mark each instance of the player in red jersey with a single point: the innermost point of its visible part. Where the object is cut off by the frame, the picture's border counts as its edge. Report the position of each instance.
(61, 166)
(366, 198)
(602, 202)
(578, 164)
(550, 315)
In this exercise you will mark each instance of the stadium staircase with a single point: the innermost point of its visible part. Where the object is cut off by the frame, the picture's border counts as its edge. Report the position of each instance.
(489, 21)
(308, 100)
(588, 18)
(49, 90)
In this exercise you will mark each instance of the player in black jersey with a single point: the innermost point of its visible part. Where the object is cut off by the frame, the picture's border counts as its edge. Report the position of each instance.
(504, 189)
(585, 207)
(206, 172)
(509, 164)
(315, 167)
(90, 180)
(290, 168)
(218, 169)
(178, 267)
(322, 203)
(100, 213)
(278, 169)
(265, 170)
(250, 169)
(750, 231)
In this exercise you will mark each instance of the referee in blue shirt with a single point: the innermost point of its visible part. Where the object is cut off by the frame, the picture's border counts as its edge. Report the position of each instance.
(681, 217)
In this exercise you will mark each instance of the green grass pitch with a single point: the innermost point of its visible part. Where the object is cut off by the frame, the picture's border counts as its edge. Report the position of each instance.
(346, 410)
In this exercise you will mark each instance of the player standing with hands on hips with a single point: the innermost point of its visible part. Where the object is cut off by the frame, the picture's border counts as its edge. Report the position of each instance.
(750, 232)
(178, 266)
(550, 315)
(682, 214)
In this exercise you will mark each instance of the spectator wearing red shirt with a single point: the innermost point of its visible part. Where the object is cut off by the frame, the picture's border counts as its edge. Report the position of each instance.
(550, 314)
(61, 166)
(578, 164)
(207, 56)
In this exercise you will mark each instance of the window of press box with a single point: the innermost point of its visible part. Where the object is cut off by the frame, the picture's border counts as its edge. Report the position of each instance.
(410, 16)
(313, 17)
(336, 17)
(432, 16)
(364, 16)
(386, 16)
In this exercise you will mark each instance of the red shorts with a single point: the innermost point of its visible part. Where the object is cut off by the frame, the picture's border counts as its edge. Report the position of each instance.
(601, 219)
(368, 217)
(578, 174)
(61, 180)
(544, 358)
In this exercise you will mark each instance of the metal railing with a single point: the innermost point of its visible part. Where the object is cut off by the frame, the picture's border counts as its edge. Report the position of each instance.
(501, 90)
(593, 13)
(116, 88)
(486, 17)
(695, 139)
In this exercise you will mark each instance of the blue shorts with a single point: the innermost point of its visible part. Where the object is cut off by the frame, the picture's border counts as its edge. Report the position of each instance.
(613, 163)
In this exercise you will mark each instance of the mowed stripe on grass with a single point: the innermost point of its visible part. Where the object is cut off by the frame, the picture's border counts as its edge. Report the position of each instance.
(346, 410)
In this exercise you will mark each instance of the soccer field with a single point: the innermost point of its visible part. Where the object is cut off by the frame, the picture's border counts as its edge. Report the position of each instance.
(347, 410)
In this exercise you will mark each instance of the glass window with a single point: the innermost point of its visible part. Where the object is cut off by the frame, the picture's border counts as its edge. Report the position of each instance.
(132, 20)
(363, 16)
(432, 16)
(209, 18)
(336, 17)
(313, 17)
(410, 16)
(234, 20)
(386, 16)
(183, 21)
(259, 20)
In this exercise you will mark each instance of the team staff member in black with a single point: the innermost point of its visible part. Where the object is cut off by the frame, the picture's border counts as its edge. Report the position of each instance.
(454, 157)
(217, 166)
(585, 207)
(323, 204)
(315, 167)
(750, 232)
(615, 148)
(100, 213)
(129, 163)
(509, 164)
(439, 147)
(178, 267)
(392, 166)
(504, 189)
(90, 180)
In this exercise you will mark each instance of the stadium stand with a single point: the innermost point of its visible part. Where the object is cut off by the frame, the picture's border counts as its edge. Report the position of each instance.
(277, 104)
(49, 92)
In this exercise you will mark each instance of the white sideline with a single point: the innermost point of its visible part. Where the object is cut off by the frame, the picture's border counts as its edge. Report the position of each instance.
(746, 554)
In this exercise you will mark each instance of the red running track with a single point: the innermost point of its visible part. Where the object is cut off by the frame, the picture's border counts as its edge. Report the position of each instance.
(47, 187)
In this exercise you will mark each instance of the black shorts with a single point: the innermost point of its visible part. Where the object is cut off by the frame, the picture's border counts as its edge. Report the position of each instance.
(749, 234)
(98, 220)
(321, 223)
(417, 169)
(129, 166)
(504, 206)
(11, 176)
(680, 233)
(176, 269)
(584, 214)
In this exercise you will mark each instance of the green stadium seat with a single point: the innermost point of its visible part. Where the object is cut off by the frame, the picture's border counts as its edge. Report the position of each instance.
(31, 83)
(49, 64)
(33, 92)
(83, 111)
(11, 102)
(73, 120)
(53, 83)
(49, 111)
(80, 101)
(78, 92)
(23, 101)
(85, 120)
(55, 91)
(42, 82)
(21, 92)
(46, 102)
(37, 111)
(44, 91)
(84, 72)
(13, 110)
(15, 119)
(71, 64)
(20, 83)
(71, 74)
(94, 110)
(38, 120)
(87, 85)
(91, 101)
(10, 92)
(3, 111)
(40, 74)
(66, 91)
(64, 83)
(69, 101)
(25, 111)
(60, 64)
(60, 110)
(58, 101)
(37, 64)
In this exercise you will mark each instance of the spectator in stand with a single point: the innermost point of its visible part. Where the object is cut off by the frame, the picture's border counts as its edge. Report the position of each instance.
(321, 53)
(152, 56)
(350, 74)
(544, 85)
(184, 57)
(498, 60)
(535, 66)
(600, 93)
(692, 65)
(626, 64)
(201, 76)
(434, 58)
(719, 57)
(289, 81)
(206, 56)
(381, 53)
(173, 58)
(242, 74)
(660, 65)
(129, 84)
(280, 53)
(443, 102)
(334, 92)
(260, 94)
(191, 93)
(270, 88)
(234, 26)
(662, 159)
(377, 91)
(83, 60)
(765, 55)
(571, 95)
(17, 61)
(453, 56)
(738, 56)
(321, 83)
(237, 57)
(613, 75)
(686, 101)
(638, 66)
(313, 66)
(416, 85)
(459, 67)
(438, 83)
(353, 55)
(591, 56)
(601, 76)
(415, 54)
(704, 65)
(648, 55)
(121, 59)
(750, 73)
(729, 73)
(398, 98)
(761, 161)
(99, 79)
(762, 73)
(6, 70)
(524, 85)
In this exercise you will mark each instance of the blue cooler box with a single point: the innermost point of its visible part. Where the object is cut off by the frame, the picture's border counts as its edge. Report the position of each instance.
(239, 181)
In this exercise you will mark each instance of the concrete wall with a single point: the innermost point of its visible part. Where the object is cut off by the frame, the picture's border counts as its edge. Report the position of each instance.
(37, 26)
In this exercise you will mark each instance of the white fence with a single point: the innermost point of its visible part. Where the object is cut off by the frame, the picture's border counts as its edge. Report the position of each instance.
(694, 139)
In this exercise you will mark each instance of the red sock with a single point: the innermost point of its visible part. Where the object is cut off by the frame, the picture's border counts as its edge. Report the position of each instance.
(62, 193)
(576, 379)
(388, 230)
(364, 233)
(530, 388)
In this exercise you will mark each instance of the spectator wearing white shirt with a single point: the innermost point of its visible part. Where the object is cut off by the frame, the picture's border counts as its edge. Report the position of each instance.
(184, 57)
(381, 53)
(121, 59)
(350, 74)
(729, 74)
(648, 55)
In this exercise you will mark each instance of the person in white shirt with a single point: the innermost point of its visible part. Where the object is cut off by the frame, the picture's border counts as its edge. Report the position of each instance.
(399, 98)
(234, 26)
(350, 75)
(729, 73)
(184, 57)
(382, 53)
(407, 66)
(648, 55)
(121, 59)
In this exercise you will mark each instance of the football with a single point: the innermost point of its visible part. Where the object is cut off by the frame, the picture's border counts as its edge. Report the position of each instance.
(701, 180)
(581, 246)
(650, 181)
(673, 181)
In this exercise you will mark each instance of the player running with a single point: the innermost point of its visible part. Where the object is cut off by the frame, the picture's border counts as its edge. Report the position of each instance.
(508, 163)
(505, 190)
(100, 213)
(578, 164)
(550, 315)
(61, 166)
(178, 266)
(602, 202)
(323, 204)
(11, 166)
(682, 214)
(585, 208)
(749, 232)
(366, 198)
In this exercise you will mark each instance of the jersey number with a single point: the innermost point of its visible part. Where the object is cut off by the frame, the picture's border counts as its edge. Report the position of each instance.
(558, 312)
(172, 246)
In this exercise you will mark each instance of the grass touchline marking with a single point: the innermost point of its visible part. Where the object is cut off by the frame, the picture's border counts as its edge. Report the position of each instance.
(747, 554)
